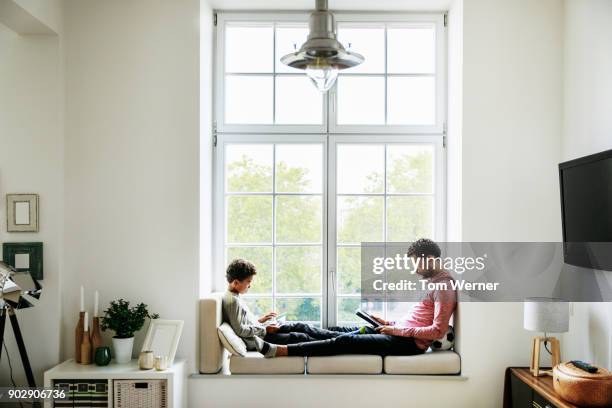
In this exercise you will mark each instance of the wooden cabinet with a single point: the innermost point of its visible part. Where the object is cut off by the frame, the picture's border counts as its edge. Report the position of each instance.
(522, 390)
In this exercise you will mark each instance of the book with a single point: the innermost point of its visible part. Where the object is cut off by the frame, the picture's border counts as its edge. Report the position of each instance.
(367, 317)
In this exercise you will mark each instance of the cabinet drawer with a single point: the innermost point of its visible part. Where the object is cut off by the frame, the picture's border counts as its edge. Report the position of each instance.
(541, 402)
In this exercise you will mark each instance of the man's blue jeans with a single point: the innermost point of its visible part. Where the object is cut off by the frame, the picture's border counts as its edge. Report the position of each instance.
(305, 340)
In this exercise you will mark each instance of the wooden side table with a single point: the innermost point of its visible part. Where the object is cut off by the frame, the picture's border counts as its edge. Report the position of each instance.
(523, 390)
(102, 380)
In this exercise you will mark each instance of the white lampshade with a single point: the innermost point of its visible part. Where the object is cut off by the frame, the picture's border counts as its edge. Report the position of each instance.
(546, 315)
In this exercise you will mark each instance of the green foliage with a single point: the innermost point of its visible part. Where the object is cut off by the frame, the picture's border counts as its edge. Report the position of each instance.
(125, 320)
(298, 220)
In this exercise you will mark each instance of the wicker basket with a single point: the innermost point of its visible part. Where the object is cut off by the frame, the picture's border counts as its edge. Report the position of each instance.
(140, 393)
(582, 388)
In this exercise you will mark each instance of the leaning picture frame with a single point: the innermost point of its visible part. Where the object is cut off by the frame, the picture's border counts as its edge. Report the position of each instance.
(163, 338)
(22, 212)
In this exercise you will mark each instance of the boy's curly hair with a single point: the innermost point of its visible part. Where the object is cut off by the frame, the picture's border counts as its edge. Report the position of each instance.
(239, 269)
(424, 247)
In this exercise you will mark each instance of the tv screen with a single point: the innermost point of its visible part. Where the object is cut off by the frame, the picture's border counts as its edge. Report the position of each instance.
(586, 208)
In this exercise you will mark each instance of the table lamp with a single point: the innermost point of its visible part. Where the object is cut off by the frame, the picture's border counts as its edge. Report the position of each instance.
(548, 315)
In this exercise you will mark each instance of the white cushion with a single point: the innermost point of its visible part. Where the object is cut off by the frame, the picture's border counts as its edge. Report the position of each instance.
(256, 363)
(234, 344)
(211, 349)
(440, 362)
(345, 364)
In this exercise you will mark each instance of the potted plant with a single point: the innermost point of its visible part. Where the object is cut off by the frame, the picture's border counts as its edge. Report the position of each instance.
(124, 321)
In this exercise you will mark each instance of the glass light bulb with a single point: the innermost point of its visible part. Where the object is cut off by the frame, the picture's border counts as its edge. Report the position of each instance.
(323, 76)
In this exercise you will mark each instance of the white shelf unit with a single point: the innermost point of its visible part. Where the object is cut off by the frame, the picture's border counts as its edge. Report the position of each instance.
(175, 377)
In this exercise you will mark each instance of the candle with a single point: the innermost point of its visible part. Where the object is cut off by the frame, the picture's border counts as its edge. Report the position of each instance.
(82, 299)
(86, 324)
(96, 299)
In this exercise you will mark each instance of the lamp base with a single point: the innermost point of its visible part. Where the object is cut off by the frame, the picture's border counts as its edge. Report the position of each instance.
(534, 367)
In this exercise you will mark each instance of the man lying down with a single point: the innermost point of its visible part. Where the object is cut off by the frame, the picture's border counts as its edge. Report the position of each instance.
(427, 321)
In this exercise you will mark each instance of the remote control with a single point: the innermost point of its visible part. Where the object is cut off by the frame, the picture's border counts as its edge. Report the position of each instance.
(584, 366)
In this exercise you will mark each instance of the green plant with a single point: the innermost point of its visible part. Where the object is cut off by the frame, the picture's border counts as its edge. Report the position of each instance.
(125, 320)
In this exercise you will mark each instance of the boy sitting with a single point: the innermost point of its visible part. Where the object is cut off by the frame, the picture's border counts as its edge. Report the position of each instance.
(251, 329)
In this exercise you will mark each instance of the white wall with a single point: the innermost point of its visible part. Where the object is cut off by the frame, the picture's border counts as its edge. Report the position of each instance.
(587, 130)
(132, 160)
(31, 154)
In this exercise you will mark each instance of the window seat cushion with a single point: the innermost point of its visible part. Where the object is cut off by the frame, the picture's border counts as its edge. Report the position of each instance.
(440, 362)
(345, 364)
(255, 363)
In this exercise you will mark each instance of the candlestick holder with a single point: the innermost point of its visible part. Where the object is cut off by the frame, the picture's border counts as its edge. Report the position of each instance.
(78, 337)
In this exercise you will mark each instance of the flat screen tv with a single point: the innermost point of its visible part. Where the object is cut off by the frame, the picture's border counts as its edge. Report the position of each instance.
(586, 210)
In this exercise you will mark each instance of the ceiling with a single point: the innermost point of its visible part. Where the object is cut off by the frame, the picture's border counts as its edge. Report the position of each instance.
(380, 5)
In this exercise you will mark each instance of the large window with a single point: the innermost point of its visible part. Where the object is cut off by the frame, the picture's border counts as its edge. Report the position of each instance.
(304, 178)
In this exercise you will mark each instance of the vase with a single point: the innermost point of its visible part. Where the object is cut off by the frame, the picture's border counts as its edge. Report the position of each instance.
(102, 356)
(96, 336)
(86, 349)
(123, 349)
(78, 337)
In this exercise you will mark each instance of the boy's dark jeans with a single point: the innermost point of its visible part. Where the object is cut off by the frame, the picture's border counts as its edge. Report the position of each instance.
(305, 340)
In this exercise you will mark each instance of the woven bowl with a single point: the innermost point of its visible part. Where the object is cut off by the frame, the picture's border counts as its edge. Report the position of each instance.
(582, 388)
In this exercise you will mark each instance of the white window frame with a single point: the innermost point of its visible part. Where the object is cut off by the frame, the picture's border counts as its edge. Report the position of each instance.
(330, 135)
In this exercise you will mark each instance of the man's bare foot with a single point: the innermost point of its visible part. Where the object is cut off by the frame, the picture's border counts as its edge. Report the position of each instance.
(281, 351)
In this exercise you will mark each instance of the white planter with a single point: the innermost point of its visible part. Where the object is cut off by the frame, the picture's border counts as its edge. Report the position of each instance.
(123, 350)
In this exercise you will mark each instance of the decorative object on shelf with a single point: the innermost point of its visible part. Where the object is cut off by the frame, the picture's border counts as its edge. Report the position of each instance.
(161, 363)
(24, 257)
(322, 55)
(102, 356)
(548, 315)
(78, 331)
(17, 291)
(22, 212)
(146, 360)
(583, 388)
(96, 335)
(86, 343)
(124, 321)
(163, 338)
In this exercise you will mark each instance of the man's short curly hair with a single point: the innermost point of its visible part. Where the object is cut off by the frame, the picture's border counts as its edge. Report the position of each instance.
(239, 269)
(424, 247)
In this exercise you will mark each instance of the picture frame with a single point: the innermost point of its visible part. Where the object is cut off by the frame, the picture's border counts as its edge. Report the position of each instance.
(163, 338)
(24, 257)
(22, 212)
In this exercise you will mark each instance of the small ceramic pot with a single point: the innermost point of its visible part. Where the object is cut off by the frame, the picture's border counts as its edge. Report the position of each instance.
(102, 356)
(123, 349)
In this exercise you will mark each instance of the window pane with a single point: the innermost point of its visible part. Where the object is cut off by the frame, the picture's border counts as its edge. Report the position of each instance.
(348, 306)
(261, 257)
(409, 168)
(298, 101)
(249, 219)
(286, 38)
(248, 167)
(411, 101)
(259, 306)
(361, 168)
(300, 309)
(298, 270)
(367, 41)
(360, 219)
(361, 100)
(299, 168)
(411, 50)
(298, 219)
(248, 48)
(248, 99)
(349, 270)
(409, 218)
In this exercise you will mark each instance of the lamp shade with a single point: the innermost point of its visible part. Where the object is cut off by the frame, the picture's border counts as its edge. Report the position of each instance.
(546, 315)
